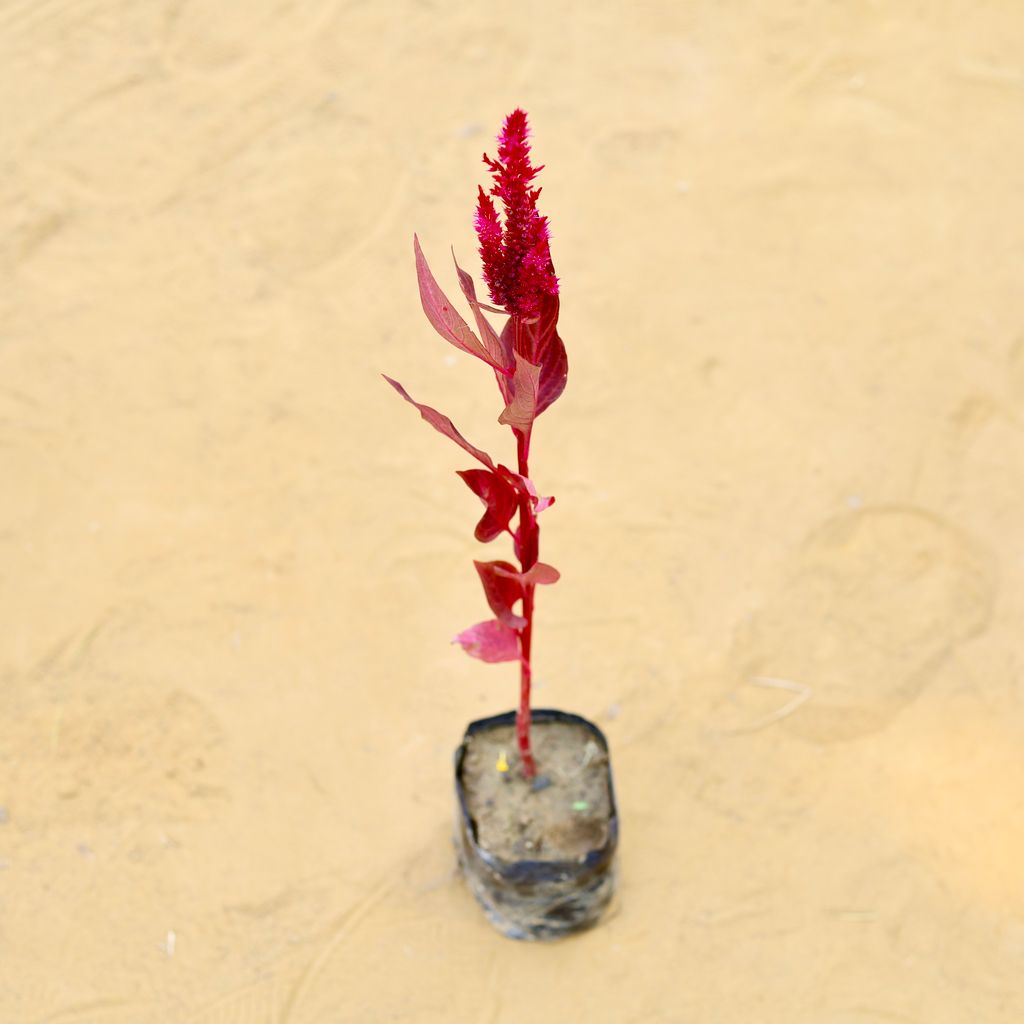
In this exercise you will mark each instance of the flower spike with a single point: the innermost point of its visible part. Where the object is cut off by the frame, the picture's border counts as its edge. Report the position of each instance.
(516, 256)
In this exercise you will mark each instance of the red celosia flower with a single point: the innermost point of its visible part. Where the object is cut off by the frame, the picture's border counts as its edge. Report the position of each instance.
(516, 258)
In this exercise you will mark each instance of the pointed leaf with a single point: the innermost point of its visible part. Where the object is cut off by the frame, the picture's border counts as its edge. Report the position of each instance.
(498, 495)
(538, 341)
(549, 353)
(539, 573)
(522, 406)
(442, 424)
(554, 372)
(442, 314)
(524, 485)
(499, 351)
(490, 641)
(502, 588)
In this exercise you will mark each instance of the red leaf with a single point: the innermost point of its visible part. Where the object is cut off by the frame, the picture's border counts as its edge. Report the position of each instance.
(549, 353)
(443, 316)
(502, 588)
(442, 424)
(538, 341)
(524, 485)
(539, 573)
(554, 372)
(498, 495)
(499, 351)
(490, 641)
(521, 410)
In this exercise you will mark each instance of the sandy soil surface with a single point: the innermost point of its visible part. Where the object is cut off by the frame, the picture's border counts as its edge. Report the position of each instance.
(790, 517)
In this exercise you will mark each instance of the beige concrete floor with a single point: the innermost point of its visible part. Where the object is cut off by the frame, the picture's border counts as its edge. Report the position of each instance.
(790, 514)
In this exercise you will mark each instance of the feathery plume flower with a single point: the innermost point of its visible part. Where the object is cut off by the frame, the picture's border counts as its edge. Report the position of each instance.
(516, 256)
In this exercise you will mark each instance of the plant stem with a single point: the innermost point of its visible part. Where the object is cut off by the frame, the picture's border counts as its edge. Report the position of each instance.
(529, 544)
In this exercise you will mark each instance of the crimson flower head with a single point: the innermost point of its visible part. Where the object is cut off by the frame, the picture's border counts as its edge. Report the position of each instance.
(516, 257)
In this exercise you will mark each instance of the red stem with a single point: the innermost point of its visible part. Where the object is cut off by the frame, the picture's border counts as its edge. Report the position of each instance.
(529, 543)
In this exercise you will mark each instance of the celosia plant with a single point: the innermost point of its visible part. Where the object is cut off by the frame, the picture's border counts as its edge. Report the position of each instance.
(530, 366)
